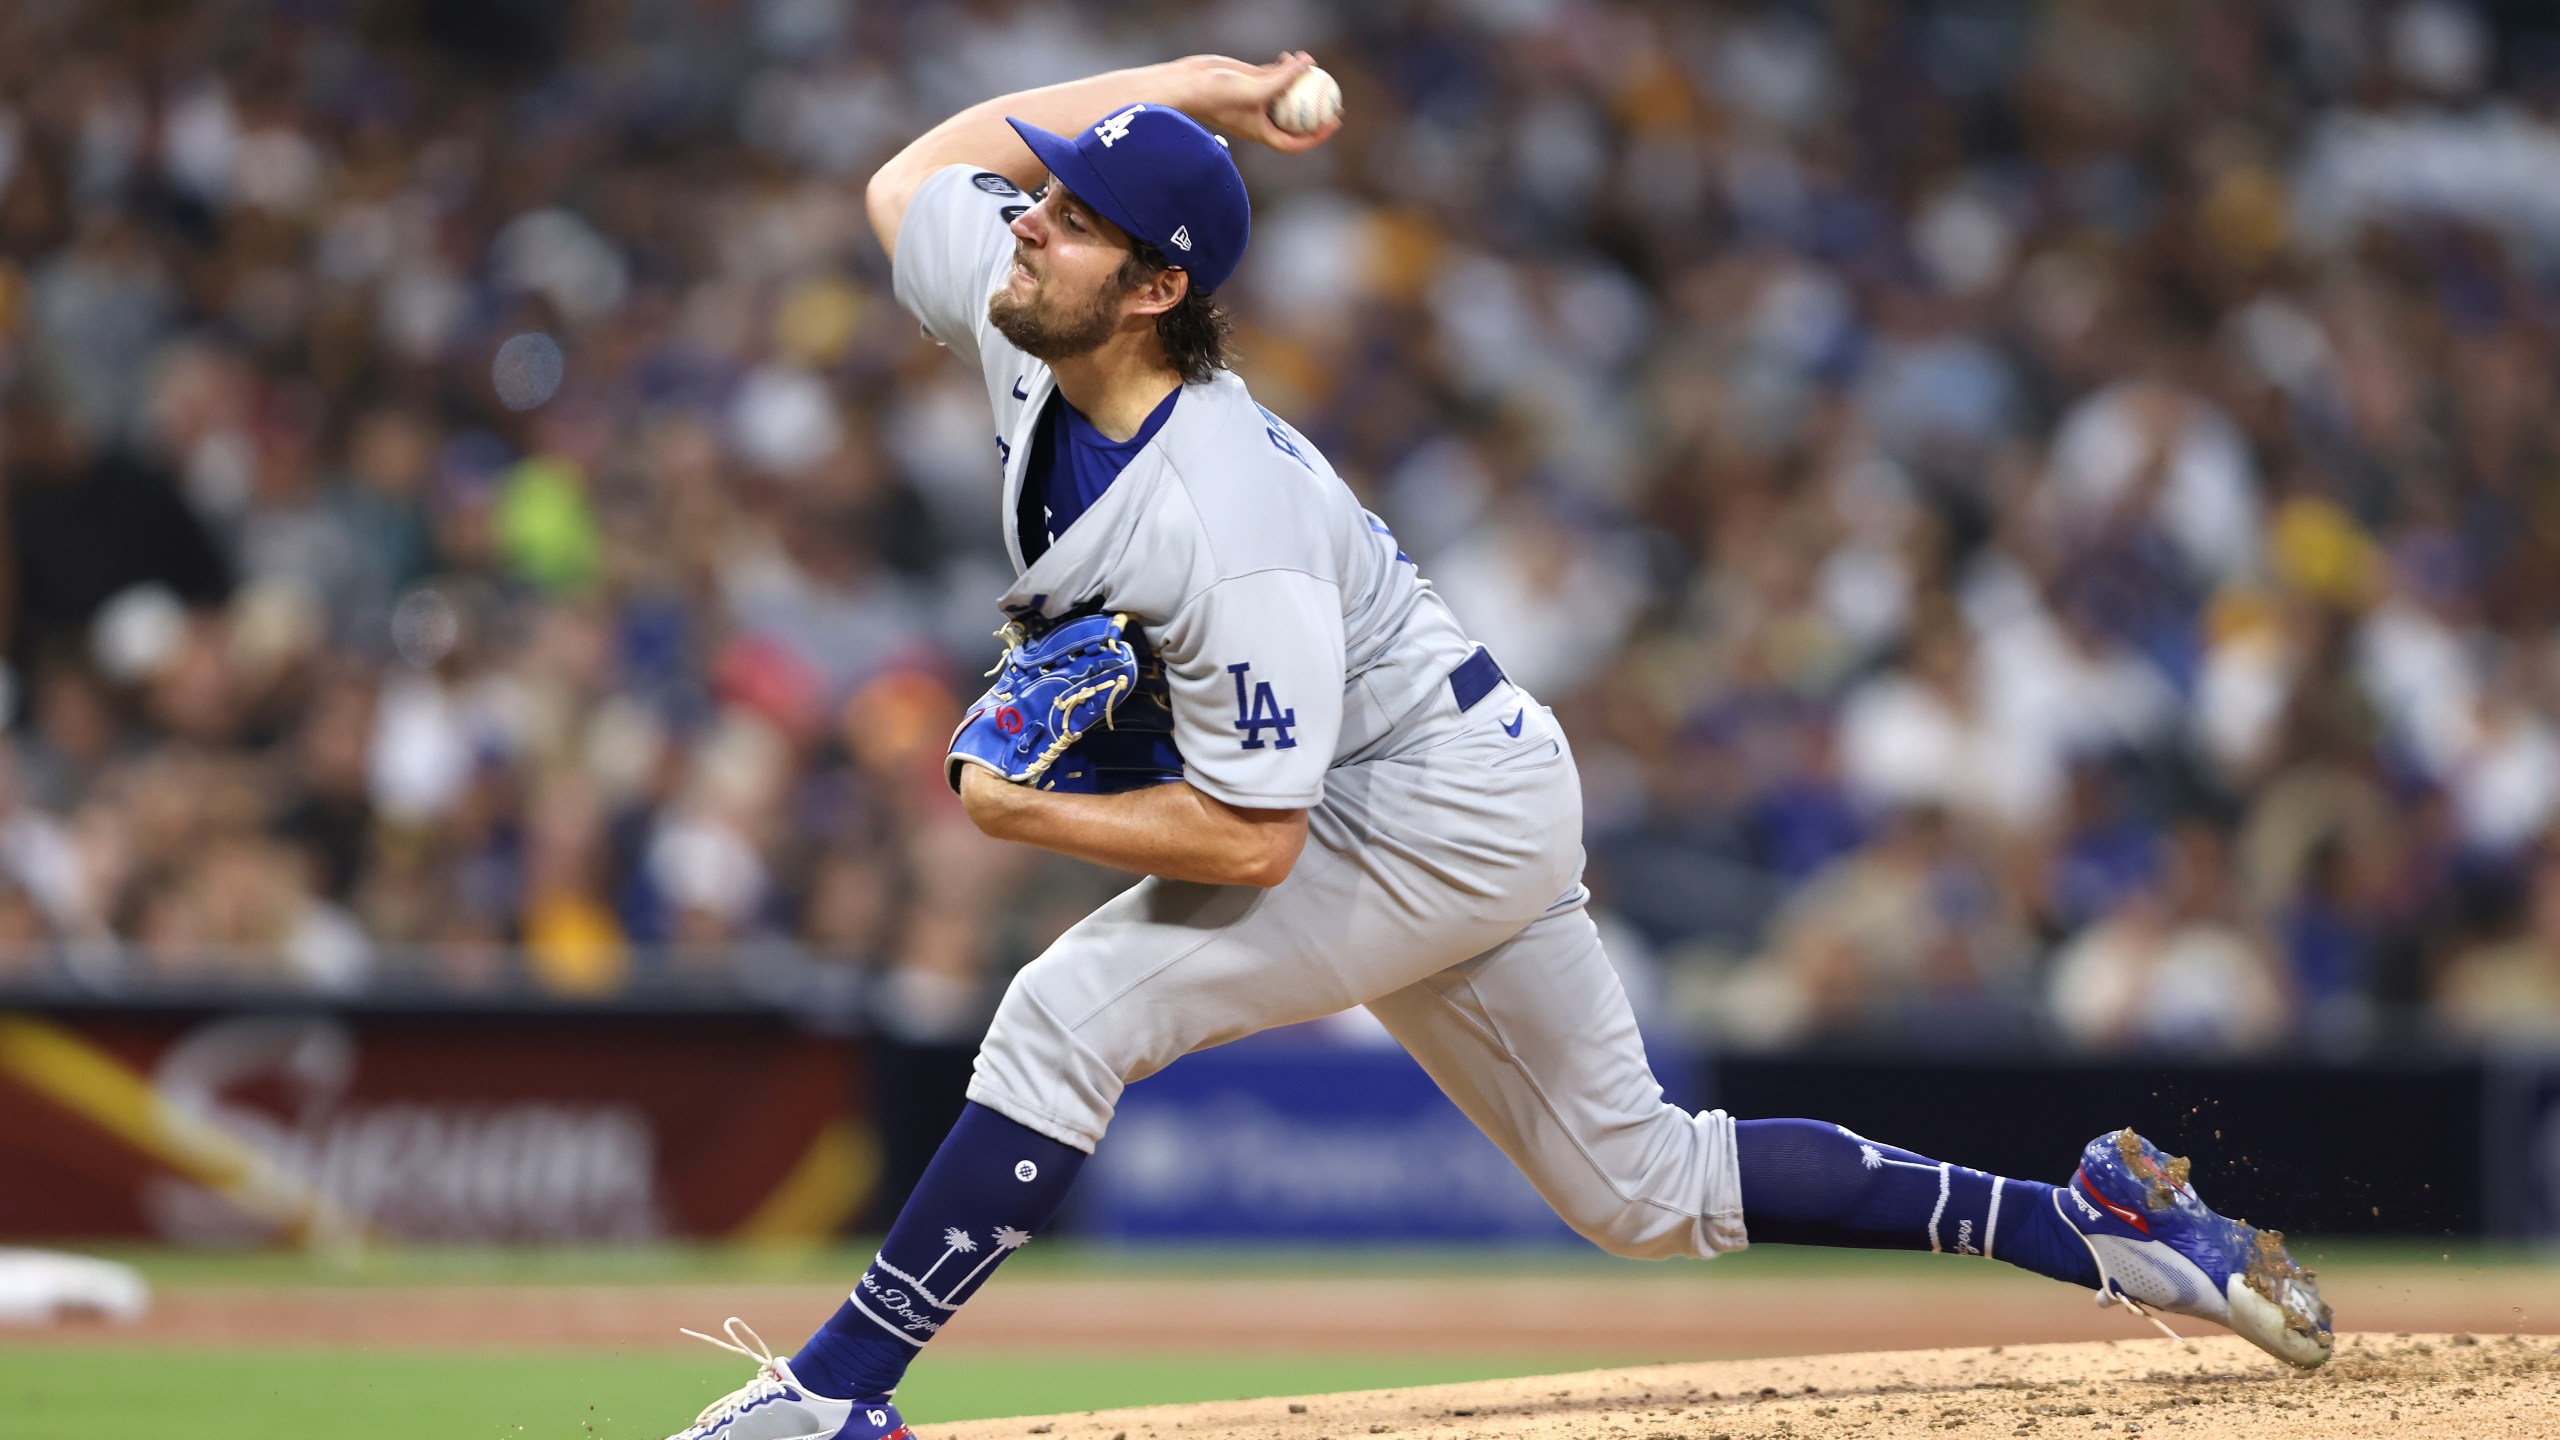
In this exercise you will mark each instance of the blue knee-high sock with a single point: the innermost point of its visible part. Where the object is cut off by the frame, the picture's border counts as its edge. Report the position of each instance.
(1809, 1182)
(991, 1187)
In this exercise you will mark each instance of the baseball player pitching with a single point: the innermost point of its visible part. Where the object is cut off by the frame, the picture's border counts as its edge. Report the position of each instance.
(1222, 674)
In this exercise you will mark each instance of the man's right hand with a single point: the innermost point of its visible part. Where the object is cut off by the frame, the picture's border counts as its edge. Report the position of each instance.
(1233, 97)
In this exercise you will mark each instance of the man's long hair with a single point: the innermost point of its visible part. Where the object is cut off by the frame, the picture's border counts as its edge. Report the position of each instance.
(1195, 334)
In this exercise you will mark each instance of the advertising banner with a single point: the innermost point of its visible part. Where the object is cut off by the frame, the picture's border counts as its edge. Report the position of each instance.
(1285, 1138)
(325, 1127)
(2522, 1143)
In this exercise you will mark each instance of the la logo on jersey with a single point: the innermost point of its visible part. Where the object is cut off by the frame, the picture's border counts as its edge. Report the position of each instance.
(1257, 710)
(1116, 129)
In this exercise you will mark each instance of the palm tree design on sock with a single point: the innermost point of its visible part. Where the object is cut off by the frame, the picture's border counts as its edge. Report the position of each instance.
(959, 1243)
(1008, 1240)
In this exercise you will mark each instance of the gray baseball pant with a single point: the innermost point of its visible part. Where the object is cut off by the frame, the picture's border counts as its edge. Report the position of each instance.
(1441, 888)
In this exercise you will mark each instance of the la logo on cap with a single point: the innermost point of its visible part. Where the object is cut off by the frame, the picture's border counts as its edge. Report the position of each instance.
(1116, 129)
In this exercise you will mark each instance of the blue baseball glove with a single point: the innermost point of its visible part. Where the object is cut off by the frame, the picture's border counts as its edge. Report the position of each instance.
(1134, 748)
(1075, 707)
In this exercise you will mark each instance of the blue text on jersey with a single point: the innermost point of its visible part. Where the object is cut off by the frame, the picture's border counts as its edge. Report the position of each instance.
(1278, 430)
(1378, 526)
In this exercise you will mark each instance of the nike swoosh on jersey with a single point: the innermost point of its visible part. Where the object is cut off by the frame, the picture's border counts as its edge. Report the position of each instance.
(1017, 388)
(1511, 727)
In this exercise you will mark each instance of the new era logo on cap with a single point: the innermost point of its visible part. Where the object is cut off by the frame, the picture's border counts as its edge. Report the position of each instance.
(1181, 237)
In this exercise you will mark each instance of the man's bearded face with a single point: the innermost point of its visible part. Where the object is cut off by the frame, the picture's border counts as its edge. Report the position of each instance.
(1051, 326)
(1062, 298)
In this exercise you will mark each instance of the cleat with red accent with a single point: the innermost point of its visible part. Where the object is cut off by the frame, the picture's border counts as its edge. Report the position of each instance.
(2156, 1245)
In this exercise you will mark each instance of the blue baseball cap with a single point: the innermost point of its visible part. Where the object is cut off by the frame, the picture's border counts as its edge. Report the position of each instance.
(1152, 171)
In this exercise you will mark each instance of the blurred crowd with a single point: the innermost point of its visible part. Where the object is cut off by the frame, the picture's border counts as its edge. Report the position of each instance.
(2042, 520)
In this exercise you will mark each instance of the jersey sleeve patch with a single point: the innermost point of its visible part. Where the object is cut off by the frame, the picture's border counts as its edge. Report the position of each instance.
(1255, 664)
(1258, 709)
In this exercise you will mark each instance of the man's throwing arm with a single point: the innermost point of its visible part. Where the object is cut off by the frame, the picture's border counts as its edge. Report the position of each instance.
(1228, 96)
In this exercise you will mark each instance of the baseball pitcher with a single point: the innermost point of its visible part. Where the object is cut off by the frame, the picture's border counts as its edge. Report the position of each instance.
(1222, 674)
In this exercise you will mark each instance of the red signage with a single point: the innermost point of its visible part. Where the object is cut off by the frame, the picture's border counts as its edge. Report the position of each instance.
(320, 1128)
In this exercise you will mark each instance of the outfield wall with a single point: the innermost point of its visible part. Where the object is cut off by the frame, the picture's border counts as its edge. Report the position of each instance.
(573, 1124)
(1352, 1142)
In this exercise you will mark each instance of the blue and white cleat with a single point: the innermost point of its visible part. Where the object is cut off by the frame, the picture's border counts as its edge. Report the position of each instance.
(2158, 1247)
(776, 1406)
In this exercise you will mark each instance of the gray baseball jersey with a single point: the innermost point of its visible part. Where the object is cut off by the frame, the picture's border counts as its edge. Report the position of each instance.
(1313, 668)
(1294, 633)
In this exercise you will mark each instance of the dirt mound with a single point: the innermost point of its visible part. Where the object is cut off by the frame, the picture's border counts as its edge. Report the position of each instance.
(2501, 1388)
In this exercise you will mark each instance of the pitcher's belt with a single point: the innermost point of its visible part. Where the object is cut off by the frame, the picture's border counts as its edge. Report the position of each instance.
(1474, 679)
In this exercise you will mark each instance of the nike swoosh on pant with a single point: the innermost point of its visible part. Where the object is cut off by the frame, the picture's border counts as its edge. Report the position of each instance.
(1511, 727)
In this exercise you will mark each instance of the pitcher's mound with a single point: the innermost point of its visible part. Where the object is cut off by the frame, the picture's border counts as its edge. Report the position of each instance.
(2219, 1388)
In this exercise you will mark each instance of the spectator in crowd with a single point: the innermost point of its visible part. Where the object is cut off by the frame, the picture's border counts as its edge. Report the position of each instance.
(2507, 988)
(2168, 966)
(1909, 936)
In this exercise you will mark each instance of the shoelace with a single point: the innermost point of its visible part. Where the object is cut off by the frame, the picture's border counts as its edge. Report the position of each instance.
(743, 1340)
(2110, 1292)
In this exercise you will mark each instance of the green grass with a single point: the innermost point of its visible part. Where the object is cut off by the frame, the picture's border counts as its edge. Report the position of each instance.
(125, 1394)
(121, 1391)
(705, 1264)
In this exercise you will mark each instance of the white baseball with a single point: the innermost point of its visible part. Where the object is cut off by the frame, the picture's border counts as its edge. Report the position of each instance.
(1311, 102)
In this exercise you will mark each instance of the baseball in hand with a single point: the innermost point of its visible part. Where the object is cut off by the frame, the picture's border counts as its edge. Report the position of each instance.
(1311, 102)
